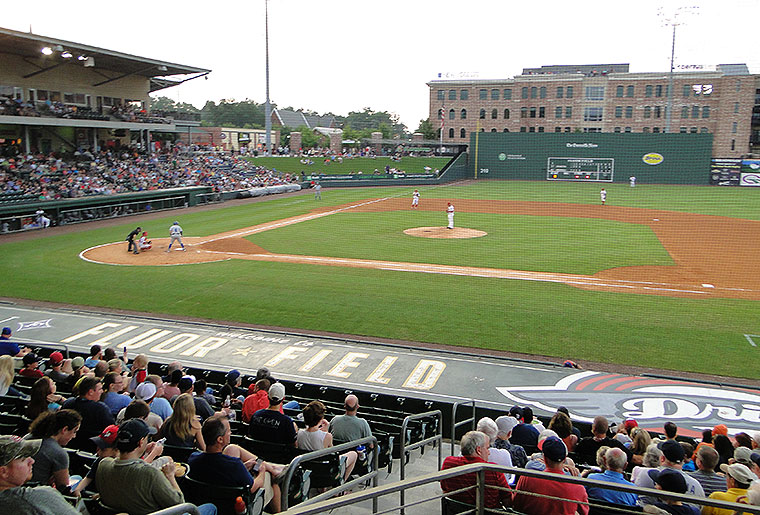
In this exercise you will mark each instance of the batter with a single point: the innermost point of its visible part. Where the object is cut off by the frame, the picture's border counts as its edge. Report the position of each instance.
(175, 232)
(450, 214)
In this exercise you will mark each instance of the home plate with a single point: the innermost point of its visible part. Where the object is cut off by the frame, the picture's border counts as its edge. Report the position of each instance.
(705, 285)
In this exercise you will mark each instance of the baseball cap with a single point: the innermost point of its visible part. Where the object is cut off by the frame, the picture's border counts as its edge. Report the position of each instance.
(739, 472)
(133, 430)
(13, 447)
(145, 391)
(671, 480)
(55, 358)
(262, 373)
(672, 450)
(185, 383)
(742, 455)
(276, 392)
(554, 449)
(755, 458)
(720, 429)
(77, 363)
(6, 330)
(233, 374)
(30, 358)
(516, 411)
(506, 423)
(543, 435)
(106, 439)
(629, 424)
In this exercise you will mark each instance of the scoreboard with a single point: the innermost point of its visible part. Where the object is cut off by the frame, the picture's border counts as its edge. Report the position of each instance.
(591, 169)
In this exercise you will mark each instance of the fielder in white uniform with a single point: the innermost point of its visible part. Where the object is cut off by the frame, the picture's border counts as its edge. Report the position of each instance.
(415, 199)
(175, 231)
(633, 181)
(450, 214)
(144, 243)
(603, 195)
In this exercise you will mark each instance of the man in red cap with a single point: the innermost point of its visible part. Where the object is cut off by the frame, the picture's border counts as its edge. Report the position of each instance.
(54, 372)
(106, 448)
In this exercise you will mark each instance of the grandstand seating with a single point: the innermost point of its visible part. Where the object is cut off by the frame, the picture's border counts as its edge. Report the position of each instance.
(222, 497)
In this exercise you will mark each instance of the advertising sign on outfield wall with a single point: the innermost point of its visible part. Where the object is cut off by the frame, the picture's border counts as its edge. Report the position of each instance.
(750, 179)
(725, 171)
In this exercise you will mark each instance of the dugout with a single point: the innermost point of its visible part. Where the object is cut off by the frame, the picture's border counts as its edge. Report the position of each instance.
(592, 157)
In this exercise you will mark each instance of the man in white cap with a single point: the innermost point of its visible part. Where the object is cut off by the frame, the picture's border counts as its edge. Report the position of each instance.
(269, 425)
(16, 469)
(738, 479)
(505, 424)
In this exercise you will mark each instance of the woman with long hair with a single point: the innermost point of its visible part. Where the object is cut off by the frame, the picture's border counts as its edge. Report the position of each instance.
(7, 372)
(563, 426)
(639, 445)
(316, 437)
(43, 398)
(724, 447)
(182, 428)
(56, 429)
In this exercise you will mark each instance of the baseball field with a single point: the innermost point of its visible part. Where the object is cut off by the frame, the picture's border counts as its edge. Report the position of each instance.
(662, 276)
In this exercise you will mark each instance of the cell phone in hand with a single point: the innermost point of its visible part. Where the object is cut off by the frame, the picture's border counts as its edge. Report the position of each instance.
(161, 441)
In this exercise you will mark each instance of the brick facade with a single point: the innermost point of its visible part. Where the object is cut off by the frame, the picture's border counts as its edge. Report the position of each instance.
(703, 101)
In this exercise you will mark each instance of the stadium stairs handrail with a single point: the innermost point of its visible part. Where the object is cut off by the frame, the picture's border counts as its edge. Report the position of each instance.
(455, 424)
(436, 438)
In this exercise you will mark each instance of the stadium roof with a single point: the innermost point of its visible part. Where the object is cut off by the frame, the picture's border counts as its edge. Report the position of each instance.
(29, 46)
(294, 119)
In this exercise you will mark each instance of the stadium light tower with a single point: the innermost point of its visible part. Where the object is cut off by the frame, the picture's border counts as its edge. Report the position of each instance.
(267, 105)
(673, 19)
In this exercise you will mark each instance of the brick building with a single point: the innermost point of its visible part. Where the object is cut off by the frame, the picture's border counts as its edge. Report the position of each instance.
(603, 98)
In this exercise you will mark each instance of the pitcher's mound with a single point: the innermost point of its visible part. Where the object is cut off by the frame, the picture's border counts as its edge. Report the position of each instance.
(443, 232)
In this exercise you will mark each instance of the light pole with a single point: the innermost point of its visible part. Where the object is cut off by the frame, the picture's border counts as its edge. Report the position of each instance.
(267, 105)
(673, 20)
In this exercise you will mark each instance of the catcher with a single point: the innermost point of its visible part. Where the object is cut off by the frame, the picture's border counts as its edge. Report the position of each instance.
(144, 243)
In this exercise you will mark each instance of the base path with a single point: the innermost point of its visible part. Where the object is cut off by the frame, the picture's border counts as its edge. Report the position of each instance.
(714, 256)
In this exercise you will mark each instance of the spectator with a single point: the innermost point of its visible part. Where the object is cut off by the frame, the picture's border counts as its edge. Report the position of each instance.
(670, 480)
(42, 398)
(754, 459)
(563, 426)
(588, 446)
(257, 400)
(528, 418)
(171, 389)
(315, 436)
(738, 479)
(56, 430)
(139, 371)
(231, 393)
(743, 440)
(54, 372)
(200, 387)
(474, 447)
(269, 425)
(16, 465)
(7, 373)
(724, 447)
(106, 448)
(95, 415)
(202, 408)
(96, 354)
(574, 496)
(672, 458)
(77, 371)
(226, 464)
(113, 384)
(615, 459)
(501, 457)
(9, 348)
(138, 408)
(101, 369)
(671, 430)
(129, 484)
(688, 463)
(651, 460)
(182, 428)
(31, 364)
(525, 434)
(505, 425)
(707, 460)
(639, 445)
(157, 402)
(347, 427)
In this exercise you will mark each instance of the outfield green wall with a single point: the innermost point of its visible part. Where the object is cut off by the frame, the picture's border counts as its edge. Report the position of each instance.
(518, 155)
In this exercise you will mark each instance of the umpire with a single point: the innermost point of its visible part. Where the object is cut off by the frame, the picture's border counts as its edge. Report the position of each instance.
(131, 239)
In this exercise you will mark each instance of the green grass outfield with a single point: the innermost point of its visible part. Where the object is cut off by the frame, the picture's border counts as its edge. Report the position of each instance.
(700, 335)
(364, 164)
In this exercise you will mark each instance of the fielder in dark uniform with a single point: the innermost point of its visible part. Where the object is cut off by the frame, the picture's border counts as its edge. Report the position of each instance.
(131, 239)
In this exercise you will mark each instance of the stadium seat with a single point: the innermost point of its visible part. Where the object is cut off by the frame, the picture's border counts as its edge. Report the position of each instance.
(599, 507)
(272, 452)
(177, 453)
(223, 497)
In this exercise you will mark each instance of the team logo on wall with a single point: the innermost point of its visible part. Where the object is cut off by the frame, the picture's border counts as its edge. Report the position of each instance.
(750, 179)
(38, 324)
(653, 158)
(651, 401)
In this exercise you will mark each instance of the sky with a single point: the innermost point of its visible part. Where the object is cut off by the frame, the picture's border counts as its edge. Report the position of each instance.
(339, 55)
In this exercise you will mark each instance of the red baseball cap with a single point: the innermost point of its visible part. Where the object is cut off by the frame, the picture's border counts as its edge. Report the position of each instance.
(56, 357)
(106, 439)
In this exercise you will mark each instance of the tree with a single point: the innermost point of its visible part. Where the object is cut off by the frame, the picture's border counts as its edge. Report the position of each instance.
(368, 120)
(426, 129)
(229, 113)
(168, 105)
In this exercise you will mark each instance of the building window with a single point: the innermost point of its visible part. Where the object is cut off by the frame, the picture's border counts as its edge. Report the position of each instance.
(569, 92)
(738, 87)
(557, 129)
(540, 129)
(523, 129)
(568, 129)
(523, 112)
(542, 112)
(506, 130)
(619, 93)
(629, 111)
(452, 94)
(558, 112)
(685, 112)
(483, 94)
(647, 111)
(648, 90)
(560, 91)
(451, 114)
(506, 114)
(494, 94)
(736, 107)
(463, 114)
(733, 144)
(482, 129)
(592, 114)
(627, 129)
(451, 132)
(441, 94)
(704, 130)
(493, 130)
(705, 111)
(482, 114)
(462, 133)
(686, 91)
(542, 93)
(508, 94)
(655, 129)
(594, 92)
(617, 129)
(533, 92)
(531, 129)
(532, 112)
(592, 129)
(658, 90)
(629, 91)
(657, 111)
(619, 110)
(695, 111)
(525, 94)
(683, 130)
(645, 129)
(734, 127)
(568, 112)
(464, 94)
(693, 130)
(494, 114)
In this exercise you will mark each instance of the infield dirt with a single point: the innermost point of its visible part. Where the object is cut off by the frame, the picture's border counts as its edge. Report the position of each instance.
(714, 256)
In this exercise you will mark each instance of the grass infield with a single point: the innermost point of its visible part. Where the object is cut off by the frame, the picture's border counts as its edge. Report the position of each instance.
(700, 335)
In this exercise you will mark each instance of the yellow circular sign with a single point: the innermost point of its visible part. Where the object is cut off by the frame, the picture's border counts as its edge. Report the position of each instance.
(653, 158)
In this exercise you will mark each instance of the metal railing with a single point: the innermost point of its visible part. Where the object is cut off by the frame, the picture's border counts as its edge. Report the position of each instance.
(455, 424)
(478, 470)
(178, 510)
(337, 449)
(438, 437)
